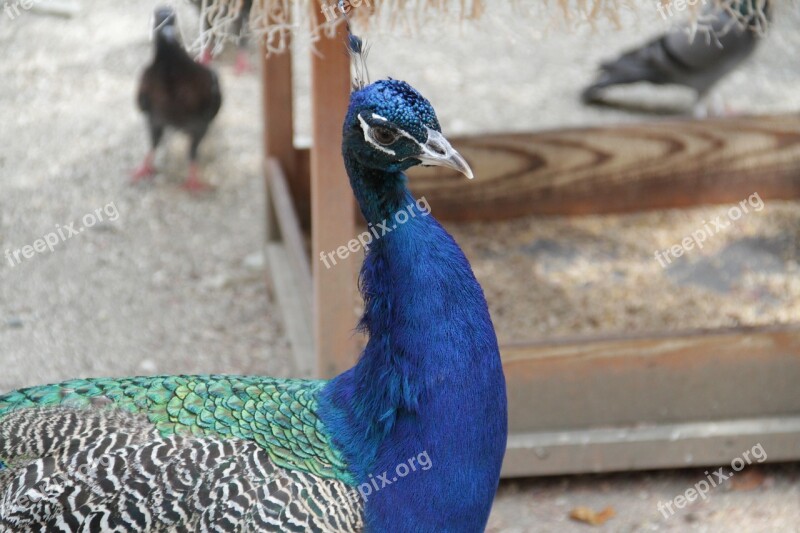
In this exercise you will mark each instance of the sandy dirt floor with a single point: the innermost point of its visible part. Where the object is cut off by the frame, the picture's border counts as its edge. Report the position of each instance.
(551, 277)
(168, 283)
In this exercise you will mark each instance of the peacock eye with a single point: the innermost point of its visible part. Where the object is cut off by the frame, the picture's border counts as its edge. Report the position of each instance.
(383, 136)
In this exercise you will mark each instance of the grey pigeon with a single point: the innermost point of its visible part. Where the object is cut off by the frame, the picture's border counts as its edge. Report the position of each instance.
(677, 58)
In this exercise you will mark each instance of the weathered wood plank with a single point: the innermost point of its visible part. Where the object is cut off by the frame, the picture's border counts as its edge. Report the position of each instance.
(646, 447)
(657, 165)
(617, 169)
(286, 257)
(596, 382)
(577, 405)
(332, 204)
(289, 226)
(295, 308)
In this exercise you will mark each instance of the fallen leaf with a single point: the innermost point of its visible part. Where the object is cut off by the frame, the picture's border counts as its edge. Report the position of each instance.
(748, 480)
(589, 516)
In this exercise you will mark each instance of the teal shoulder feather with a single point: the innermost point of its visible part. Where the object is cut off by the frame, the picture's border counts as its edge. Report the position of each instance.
(278, 414)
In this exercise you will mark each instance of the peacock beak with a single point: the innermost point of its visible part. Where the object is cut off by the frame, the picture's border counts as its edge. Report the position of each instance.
(438, 152)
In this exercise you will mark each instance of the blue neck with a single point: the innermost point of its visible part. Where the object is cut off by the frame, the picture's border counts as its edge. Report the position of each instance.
(429, 383)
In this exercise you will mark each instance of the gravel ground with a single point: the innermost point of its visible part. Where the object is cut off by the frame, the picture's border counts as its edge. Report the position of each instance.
(550, 277)
(758, 501)
(168, 283)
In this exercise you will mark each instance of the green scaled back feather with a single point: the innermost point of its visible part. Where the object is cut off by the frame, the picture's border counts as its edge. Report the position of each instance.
(278, 414)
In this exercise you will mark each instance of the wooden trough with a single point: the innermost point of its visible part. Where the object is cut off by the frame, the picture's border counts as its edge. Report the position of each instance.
(576, 405)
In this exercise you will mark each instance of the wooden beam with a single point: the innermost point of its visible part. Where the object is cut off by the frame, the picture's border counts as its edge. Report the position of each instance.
(650, 446)
(278, 115)
(656, 165)
(578, 406)
(549, 173)
(332, 204)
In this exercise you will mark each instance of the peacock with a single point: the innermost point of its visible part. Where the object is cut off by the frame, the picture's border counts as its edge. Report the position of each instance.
(411, 439)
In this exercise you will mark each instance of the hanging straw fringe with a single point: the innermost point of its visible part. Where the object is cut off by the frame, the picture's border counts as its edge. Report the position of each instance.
(277, 20)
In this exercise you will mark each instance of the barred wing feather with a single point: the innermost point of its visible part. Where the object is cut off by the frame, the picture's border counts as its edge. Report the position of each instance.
(108, 470)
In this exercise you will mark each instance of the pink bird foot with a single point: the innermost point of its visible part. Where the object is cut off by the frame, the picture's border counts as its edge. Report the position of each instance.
(242, 65)
(206, 57)
(145, 171)
(194, 184)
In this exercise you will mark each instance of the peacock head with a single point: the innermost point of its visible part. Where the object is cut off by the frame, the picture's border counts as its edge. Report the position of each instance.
(391, 127)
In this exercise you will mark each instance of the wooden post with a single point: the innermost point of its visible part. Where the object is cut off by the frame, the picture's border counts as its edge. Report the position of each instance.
(332, 205)
(287, 200)
(276, 75)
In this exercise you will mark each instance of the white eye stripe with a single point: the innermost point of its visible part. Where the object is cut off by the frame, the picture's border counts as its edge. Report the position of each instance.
(379, 146)
(368, 137)
(408, 136)
(367, 129)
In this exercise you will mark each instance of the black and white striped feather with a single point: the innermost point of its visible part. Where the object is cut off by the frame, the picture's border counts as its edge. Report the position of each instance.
(106, 470)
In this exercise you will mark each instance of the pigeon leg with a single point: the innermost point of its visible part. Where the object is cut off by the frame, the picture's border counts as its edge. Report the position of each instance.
(148, 169)
(719, 107)
(242, 61)
(711, 106)
(242, 65)
(206, 57)
(240, 30)
(193, 182)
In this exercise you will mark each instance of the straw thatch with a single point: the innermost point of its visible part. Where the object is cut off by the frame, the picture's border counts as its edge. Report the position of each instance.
(277, 20)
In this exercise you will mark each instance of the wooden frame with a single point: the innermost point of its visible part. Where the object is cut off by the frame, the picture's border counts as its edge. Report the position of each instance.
(580, 404)
(638, 402)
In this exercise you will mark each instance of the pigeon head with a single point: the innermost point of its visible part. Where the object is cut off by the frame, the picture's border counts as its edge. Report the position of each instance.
(164, 23)
(391, 127)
